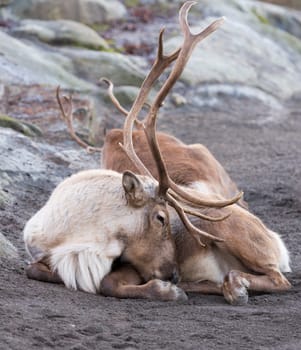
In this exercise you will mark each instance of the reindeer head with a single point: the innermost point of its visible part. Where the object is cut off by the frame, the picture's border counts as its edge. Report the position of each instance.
(152, 250)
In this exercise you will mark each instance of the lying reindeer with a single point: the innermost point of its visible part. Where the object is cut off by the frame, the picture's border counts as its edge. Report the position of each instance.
(98, 219)
(250, 256)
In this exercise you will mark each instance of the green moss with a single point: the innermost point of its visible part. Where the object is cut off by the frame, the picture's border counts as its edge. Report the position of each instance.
(114, 50)
(34, 129)
(99, 28)
(22, 127)
(87, 46)
(75, 43)
(284, 37)
(260, 17)
(131, 3)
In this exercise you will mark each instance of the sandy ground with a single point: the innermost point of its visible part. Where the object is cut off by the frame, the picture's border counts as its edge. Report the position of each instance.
(263, 156)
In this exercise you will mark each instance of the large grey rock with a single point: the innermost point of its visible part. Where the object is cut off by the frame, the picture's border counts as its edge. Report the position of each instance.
(92, 65)
(255, 13)
(86, 11)
(23, 63)
(240, 54)
(30, 170)
(26, 162)
(64, 32)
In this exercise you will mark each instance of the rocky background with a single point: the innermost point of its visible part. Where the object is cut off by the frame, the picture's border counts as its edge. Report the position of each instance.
(240, 95)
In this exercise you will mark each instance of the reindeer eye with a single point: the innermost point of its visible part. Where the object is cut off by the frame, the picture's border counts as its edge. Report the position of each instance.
(161, 218)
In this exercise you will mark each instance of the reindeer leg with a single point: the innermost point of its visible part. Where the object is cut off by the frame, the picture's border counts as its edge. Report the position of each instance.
(237, 283)
(41, 272)
(125, 282)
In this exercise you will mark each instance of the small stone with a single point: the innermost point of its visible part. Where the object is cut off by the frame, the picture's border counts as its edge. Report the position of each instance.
(178, 100)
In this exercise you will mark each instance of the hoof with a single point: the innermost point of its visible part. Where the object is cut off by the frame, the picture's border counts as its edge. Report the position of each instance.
(180, 294)
(235, 289)
(162, 290)
(240, 299)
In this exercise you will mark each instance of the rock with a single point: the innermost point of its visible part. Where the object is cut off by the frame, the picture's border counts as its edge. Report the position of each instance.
(92, 65)
(177, 99)
(255, 13)
(7, 249)
(23, 63)
(239, 54)
(20, 156)
(62, 32)
(5, 2)
(29, 171)
(291, 3)
(89, 12)
(27, 129)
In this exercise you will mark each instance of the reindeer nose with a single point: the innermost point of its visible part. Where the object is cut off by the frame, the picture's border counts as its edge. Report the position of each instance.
(174, 278)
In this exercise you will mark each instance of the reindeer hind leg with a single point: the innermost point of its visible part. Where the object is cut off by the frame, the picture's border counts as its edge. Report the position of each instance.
(237, 283)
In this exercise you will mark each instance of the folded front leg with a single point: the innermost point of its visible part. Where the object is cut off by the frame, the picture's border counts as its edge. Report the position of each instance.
(125, 282)
(40, 271)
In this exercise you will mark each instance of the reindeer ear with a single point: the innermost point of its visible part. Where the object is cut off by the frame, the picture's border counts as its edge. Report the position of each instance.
(133, 189)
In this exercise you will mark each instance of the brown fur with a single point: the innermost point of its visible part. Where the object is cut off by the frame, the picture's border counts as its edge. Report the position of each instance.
(185, 163)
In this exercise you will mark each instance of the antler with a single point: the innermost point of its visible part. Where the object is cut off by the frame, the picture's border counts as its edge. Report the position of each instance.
(67, 116)
(160, 64)
(168, 190)
(190, 41)
(113, 98)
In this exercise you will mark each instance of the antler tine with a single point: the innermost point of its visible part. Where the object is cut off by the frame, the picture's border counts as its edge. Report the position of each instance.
(67, 116)
(160, 64)
(194, 231)
(204, 216)
(113, 97)
(178, 193)
(116, 103)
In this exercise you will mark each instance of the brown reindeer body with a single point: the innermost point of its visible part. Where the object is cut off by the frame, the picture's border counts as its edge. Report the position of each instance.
(188, 165)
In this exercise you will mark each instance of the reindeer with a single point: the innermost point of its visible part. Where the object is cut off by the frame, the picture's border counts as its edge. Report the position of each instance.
(100, 222)
(248, 256)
